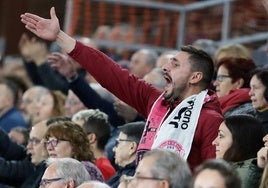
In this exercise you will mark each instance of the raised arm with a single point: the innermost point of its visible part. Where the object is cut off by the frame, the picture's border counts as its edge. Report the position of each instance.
(48, 29)
(128, 88)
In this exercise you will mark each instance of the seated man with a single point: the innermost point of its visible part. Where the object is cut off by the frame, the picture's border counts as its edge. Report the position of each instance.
(64, 171)
(161, 168)
(96, 125)
(126, 150)
(23, 168)
(24, 171)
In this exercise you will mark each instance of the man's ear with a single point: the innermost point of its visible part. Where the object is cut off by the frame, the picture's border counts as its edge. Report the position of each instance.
(92, 138)
(196, 77)
(165, 184)
(133, 147)
(70, 184)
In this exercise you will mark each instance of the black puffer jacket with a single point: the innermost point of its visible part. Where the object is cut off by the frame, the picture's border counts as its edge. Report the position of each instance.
(128, 170)
(16, 168)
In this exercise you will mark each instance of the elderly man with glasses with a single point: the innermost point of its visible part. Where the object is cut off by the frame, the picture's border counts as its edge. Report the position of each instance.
(160, 168)
(125, 151)
(64, 172)
(20, 167)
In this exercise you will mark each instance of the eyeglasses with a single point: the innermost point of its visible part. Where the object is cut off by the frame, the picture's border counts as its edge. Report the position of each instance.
(34, 141)
(221, 77)
(54, 142)
(45, 182)
(147, 178)
(117, 141)
(128, 179)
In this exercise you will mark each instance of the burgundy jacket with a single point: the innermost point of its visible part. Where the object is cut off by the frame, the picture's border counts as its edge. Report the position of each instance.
(140, 95)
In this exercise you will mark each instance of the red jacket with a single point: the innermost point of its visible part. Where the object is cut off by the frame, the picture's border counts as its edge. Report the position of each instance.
(105, 167)
(140, 95)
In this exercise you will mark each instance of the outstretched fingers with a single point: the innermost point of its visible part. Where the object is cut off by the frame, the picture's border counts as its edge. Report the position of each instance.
(31, 28)
(44, 28)
(30, 24)
(53, 13)
(30, 18)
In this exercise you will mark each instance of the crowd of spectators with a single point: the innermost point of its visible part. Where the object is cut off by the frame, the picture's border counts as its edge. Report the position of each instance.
(77, 116)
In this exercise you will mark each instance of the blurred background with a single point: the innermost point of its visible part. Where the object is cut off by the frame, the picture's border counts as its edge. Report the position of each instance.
(127, 25)
(11, 28)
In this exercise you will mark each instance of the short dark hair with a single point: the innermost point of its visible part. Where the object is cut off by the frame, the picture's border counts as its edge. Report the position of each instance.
(200, 61)
(133, 130)
(238, 68)
(262, 75)
(230, 176)
(247, 133)
(95, 121)
(100, 127)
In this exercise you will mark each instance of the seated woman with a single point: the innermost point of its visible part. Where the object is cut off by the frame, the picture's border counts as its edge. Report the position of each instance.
(231, 50)
(51, 104)
(259, 95)
(232, 85)
(67, 139)
(215, 173)
(238, 141)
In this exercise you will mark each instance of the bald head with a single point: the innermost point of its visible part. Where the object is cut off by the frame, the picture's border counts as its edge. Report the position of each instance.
(35, 145)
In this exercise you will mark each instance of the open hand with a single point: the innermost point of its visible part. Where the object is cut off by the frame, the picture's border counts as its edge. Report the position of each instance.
(44, 28)
(62, 63)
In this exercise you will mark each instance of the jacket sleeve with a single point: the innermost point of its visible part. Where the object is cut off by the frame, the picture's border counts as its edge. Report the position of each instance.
(31, 70)
(9, 149)
(128, 88)
(52, 79)
(249, 173)
(206, 131)
(254, 174)
(92, 100)
(14, 173)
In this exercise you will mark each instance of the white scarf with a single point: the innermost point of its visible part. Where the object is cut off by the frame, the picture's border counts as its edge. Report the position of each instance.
(177, 131)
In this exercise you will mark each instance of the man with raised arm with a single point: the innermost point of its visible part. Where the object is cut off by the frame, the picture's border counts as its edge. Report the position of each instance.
(184, 118)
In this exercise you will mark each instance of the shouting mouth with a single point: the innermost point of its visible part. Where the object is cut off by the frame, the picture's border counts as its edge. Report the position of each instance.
(168, 79)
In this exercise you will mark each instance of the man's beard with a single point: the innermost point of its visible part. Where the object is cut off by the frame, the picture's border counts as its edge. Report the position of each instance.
(169, 98)
(175, 94)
